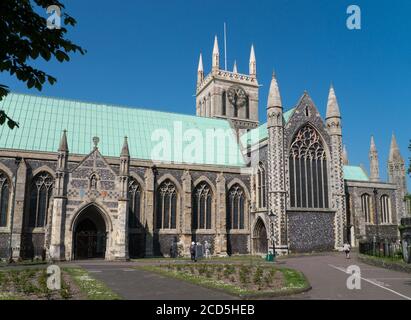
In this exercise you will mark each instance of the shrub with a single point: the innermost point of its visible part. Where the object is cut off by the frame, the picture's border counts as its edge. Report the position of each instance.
(257, 279)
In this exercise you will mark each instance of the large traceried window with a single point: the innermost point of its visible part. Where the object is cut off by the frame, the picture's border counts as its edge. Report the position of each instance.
(366, 208)
(385, 204)
(134, 194)
(308, 170)
(4, 198)
(235, 208)
(202, 206)
(166, 206)
(261, 187)
(40, 194)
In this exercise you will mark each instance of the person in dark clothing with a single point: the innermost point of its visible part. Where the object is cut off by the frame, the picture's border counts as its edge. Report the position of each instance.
(193, 251)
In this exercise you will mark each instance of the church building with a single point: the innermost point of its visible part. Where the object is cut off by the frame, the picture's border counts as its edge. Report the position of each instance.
(82, 180)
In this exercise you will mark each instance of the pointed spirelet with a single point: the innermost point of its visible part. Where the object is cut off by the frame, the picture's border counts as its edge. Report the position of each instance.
(216, 49)
(395, 154)
(346, 162)
(125, 151)
(333, 110)
(253, 62)
(235, 70)
(200, 64)
(373, 147)
(274, 97)
(216, 55)
(63, 147)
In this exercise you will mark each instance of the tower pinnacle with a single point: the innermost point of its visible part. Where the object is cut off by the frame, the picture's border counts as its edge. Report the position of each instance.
(216, 55)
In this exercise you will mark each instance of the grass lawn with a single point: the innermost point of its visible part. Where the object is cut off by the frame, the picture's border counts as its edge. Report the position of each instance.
(31, 284)
(90, 287)
(243, 280)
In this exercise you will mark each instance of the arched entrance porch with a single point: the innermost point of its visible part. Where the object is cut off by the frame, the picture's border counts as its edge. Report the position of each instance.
(89, 235)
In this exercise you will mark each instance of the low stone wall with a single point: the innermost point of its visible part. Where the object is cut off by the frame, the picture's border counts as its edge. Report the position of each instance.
(384, 263)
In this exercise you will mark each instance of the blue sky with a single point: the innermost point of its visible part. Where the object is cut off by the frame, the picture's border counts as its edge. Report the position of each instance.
(145, 53)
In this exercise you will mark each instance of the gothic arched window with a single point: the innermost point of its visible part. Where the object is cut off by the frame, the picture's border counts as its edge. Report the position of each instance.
(224, 103)
(166, 206)
(308, 170)
(235, 208)
(366, 207)
(134, 194)
(40, 194)
(4, 199)
(261, 187)
(385, 204)
(202, 206)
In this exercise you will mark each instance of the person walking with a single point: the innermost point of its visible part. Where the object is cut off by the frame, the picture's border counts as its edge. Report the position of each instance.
(347, 250)
(193, 251)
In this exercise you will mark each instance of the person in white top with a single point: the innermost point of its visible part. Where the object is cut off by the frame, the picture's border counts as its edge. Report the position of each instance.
(347, 250)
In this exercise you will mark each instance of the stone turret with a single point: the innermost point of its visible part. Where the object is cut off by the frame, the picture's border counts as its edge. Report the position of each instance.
(56, 251)
(397, 176)
(374, 163)
(121, 240)
(275, 162)
(333, 123)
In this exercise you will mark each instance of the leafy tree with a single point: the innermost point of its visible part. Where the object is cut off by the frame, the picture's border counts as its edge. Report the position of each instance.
(25, 37)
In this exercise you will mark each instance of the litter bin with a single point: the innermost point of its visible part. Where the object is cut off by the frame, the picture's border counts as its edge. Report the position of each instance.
(269, 257)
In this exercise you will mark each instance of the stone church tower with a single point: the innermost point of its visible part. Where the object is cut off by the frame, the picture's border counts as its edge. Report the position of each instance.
(228, 94)
(397, 176)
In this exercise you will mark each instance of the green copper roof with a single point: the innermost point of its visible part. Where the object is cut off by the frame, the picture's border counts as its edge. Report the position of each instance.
(42, 121)
(355, 173)
(259, 134)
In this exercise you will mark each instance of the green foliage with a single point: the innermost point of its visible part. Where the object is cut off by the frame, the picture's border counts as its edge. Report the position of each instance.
(258, 275)
(244, 274)
(24, 37)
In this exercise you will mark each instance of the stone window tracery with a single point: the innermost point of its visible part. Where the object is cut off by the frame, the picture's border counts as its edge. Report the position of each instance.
(166, 206)
(40, 194)
(235, 208)
(366, 207)
(4, 198)
(385, 204)
(202, 206)
(308, 170)
(134, 192)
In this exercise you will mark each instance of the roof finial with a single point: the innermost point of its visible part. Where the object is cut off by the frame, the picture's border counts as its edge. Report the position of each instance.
(125, 151)
(63, 142)
(96, 141)
(235, 70)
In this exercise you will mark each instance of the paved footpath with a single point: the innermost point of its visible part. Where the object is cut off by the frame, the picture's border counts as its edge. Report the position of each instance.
(326, 273)
(133, 284)
(328, 278)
